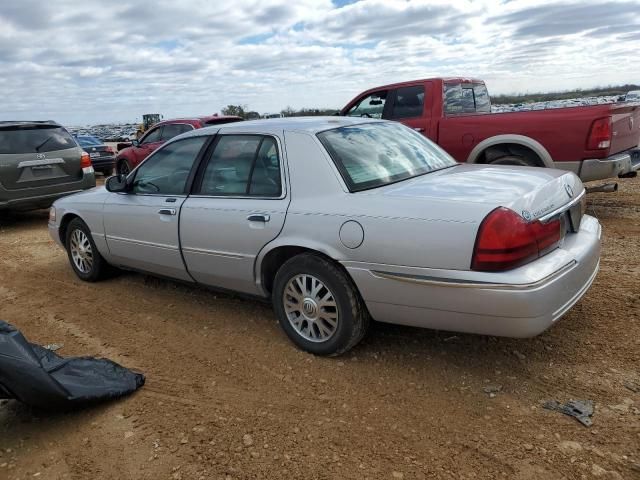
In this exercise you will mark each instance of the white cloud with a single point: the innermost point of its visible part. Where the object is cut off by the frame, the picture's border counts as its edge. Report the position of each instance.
(91, 61)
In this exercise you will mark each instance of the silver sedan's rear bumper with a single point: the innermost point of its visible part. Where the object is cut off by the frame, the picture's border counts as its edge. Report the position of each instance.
(519, 303)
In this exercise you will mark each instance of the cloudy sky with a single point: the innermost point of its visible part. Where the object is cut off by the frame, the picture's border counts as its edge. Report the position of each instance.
(95, 61)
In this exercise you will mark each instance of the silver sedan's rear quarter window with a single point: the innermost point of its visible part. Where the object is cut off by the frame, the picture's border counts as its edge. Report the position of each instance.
(370, 155)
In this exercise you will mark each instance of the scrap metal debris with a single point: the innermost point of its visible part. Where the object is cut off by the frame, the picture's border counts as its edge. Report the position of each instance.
(581, 410)
(40, 378)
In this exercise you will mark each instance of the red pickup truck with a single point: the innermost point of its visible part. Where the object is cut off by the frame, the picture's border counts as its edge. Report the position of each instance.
(595, 142)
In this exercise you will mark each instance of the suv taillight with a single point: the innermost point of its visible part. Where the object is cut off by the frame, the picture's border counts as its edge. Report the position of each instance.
(505, 240)
(85, 160)
(600, 134)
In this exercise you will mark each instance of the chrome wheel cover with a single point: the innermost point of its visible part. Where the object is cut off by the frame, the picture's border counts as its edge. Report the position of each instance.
(81, 252)
(310, 308)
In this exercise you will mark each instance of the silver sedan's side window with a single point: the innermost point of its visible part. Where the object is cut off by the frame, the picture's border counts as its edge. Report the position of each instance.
(167, 170)
(243, 165)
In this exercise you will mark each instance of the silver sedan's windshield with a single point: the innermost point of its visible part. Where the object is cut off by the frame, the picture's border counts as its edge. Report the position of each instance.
(374, 154)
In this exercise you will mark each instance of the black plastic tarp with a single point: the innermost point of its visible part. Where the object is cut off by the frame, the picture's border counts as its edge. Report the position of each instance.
(40, 378)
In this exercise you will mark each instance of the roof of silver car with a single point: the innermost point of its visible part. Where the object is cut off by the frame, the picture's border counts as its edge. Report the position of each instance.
(275, 125)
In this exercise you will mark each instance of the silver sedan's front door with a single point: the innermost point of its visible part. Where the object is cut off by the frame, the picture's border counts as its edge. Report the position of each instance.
(142, 226)
(238, 206)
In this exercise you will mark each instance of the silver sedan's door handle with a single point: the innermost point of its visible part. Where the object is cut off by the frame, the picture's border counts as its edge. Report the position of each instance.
(259, 217)
(167, 211)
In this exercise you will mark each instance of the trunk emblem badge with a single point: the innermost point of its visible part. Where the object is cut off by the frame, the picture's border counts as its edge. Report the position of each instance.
(40, 156)
(568, 189)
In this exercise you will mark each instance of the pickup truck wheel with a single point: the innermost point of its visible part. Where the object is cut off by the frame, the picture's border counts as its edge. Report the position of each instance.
(513, 160)
(86, 261)
(318, 305)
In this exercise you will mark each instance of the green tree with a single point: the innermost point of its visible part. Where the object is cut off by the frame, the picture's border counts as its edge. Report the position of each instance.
(236, 110)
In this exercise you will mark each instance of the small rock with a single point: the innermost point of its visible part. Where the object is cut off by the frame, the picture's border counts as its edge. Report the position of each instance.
(527, 446)
(598, 471)
(397, 475)
(247, 440)
(569, 446)
(492, 389)
(634, 387)
(184, 440)
(128, 434)
(521, 356)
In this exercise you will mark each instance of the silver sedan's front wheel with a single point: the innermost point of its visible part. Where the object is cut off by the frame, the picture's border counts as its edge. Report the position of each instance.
(318, 306)
(86, 261)
(81, 251)
(311, 308)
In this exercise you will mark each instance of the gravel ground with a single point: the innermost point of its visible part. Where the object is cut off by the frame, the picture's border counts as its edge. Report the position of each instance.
(228, 396)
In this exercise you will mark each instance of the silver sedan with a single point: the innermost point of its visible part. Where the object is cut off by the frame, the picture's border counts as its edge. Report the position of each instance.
(339, 221)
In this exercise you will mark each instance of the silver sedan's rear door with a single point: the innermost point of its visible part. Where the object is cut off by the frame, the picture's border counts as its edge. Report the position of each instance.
(239, 205)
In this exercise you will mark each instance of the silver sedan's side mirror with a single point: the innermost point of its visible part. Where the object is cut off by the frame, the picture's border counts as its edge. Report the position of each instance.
(117, 184)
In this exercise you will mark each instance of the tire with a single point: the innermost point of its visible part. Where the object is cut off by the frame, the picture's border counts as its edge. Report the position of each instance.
(107, 172)
(123, 167)
(85, 260)
(514, 160)
(301, 314)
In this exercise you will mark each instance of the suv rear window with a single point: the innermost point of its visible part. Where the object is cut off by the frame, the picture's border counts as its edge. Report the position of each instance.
(35, 139)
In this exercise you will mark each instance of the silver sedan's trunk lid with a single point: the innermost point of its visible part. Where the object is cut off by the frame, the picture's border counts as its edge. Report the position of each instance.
(530, 191)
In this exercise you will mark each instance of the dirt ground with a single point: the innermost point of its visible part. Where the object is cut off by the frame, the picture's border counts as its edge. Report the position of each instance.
(228, 396)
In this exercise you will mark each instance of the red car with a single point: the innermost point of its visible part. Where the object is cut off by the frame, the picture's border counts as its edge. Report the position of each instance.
(161, 132)
(595, 142)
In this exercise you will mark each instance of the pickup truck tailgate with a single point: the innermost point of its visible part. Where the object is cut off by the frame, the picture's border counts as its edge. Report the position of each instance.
(625, 128)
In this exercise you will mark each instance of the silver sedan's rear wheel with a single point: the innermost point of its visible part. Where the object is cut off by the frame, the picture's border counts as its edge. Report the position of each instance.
(86, 261)
(311, 308)
(318, 306)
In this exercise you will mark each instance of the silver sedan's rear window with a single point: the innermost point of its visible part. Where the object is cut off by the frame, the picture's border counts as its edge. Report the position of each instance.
(371, 155)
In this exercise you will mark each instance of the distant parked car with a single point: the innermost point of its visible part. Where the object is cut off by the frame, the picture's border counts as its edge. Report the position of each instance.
(130, 154)
(103, 157)
(632, 96)
(337, 220)
(40, 162)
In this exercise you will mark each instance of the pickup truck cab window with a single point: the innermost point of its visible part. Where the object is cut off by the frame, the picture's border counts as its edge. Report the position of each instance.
(408, 102)
(244, 166)
(371, 106)
(466, 98)
(166, 171)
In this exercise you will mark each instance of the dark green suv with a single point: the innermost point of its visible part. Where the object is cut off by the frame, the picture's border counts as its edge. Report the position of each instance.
(40, 162)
